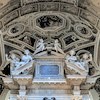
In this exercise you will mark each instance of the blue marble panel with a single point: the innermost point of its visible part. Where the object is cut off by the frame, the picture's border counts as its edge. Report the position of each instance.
(49, 70)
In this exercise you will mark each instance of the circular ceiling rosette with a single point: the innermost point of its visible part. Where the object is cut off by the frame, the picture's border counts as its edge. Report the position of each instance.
(83, 30)
(16, 29)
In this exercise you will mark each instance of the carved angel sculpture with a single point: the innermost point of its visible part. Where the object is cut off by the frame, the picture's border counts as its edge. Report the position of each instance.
(26, 58)
(20, 65)
(57, 47)
(39, 46)
(27, 40)
(86, 58)
(71, 57)
(15, 62)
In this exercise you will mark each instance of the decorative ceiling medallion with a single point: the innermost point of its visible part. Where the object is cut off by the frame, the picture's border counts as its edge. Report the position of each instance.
(16, 29)
(50, 23)
(83, 30)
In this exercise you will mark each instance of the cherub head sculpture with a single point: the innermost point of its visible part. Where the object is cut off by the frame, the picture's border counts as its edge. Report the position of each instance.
(72, 52)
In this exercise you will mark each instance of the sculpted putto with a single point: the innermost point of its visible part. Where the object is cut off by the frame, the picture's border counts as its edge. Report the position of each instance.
(86, 58)
(15, 62)
(26, 58)
(57, 47)
(39, 46)
(71, 57)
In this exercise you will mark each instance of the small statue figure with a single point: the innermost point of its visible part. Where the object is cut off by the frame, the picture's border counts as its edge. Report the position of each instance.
(15, 62)
(39, 46)
(86, 58)
(57, 47)
(71, 57)
(84, 30)
(26, 58)
(27, 40)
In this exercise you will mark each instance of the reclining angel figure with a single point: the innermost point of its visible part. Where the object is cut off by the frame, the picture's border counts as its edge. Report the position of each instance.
(80, 63)
(17, 63)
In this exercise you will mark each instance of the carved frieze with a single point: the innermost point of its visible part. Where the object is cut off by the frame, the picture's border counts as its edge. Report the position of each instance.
(49, 6)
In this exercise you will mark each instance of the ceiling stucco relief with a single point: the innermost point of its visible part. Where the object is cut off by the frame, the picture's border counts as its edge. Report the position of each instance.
(3, 3)
(96, 3)
(9, 16)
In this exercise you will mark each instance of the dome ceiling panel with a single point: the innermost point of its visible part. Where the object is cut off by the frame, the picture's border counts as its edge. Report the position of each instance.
(50, 6)
(9, 17)
(89, 16)
(69, 8)
(50, 24)
(63, 7)
(12, 5)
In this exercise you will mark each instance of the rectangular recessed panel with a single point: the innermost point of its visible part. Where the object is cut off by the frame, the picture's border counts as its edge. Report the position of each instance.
(10, 16)
(88, 16)
(12, 5)
(49, 6)
(49, 70)
(30, 8)
(69, 8)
